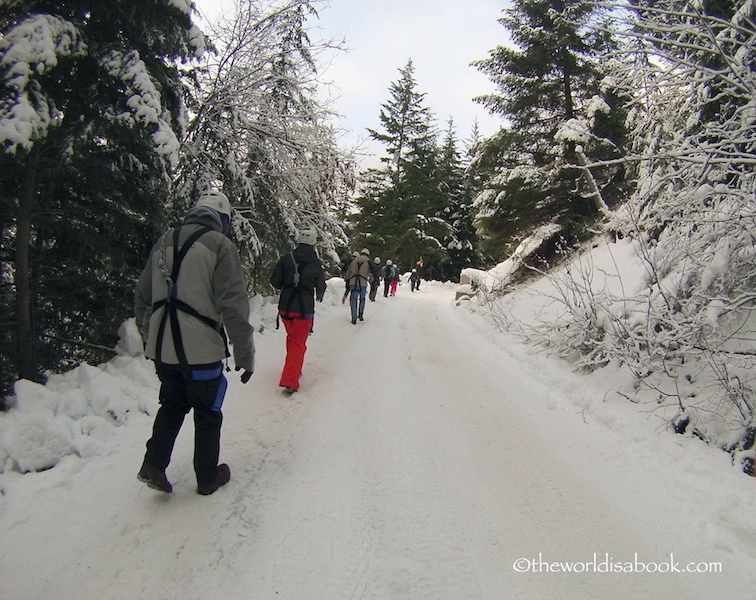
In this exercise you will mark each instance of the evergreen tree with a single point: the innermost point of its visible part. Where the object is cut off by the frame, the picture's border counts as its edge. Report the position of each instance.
(455, 209)
(398, 206)
(550, 94)
(90, 117)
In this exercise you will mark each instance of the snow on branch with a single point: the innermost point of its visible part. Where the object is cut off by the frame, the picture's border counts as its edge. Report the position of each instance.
(27, 52)
(143, 100)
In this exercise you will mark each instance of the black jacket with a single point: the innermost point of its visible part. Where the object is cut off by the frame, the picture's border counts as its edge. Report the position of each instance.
(300, 299)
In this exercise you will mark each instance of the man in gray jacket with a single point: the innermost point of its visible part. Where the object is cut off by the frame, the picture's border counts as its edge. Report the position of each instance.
(358, 277)
(191, 288)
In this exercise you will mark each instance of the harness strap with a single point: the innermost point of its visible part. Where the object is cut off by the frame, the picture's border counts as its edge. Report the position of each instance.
(173, 304)
(296, 292)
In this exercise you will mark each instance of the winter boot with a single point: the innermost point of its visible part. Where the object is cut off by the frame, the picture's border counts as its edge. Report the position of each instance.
(222, 477)
(154, 478)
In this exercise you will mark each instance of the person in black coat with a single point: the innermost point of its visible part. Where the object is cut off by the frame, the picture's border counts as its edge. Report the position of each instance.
(375, 271)
(414, 280)
(299, 275)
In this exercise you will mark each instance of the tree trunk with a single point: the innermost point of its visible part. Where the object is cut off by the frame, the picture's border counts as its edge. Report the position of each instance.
(598, 199)
(26, 363)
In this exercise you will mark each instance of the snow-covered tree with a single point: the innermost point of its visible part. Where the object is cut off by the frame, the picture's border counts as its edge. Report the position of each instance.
(90, 122)
(558, 107)
(688, 334)
(455, 210)
(693, 209)
(259, 133)
(402, 206)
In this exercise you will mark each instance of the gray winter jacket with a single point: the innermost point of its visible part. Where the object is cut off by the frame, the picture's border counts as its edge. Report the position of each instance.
(211, 282)
(358, 273)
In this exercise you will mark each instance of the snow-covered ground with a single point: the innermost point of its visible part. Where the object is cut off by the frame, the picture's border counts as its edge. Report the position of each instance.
(427, 455)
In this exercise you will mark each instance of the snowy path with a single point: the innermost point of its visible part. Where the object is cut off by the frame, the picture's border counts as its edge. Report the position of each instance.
(418, 461)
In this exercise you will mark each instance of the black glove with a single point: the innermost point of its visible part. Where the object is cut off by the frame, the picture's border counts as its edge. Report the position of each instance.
(246, 375)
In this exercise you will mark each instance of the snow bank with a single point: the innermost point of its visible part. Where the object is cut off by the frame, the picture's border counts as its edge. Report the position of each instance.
(75, 412)
(501, 274)
(604, 310)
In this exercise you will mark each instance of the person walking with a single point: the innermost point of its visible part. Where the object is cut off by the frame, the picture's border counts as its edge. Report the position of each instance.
(299, 275)
(419, 268)
(388, 275)
(358, 278)
(414, 280)
(375, 280)
(344, 266)
(193, 282)
(395, 280)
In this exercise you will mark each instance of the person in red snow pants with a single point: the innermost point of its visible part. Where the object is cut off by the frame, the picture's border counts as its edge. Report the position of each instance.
(394, 284)
(299, 275)
(297, 331)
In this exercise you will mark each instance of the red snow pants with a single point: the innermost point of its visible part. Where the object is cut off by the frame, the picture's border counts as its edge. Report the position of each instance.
(297, 331)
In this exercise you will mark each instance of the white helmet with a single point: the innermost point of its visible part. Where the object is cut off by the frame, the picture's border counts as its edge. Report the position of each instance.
(217, 200)
(377, 260)
(307, 236)
(389, 263)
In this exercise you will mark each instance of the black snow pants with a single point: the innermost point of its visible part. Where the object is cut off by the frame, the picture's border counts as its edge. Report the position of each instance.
(201, 389)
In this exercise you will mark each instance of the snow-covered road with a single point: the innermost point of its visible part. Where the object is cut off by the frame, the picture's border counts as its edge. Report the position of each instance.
(419, 460)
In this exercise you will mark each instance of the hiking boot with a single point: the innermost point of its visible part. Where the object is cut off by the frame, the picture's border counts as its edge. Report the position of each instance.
(155, 479)
(222, 477)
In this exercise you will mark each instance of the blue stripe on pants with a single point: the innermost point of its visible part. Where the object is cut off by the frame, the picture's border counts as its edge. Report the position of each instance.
(214, 373)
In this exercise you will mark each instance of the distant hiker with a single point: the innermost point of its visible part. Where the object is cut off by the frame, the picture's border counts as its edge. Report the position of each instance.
(192, 283)
(375, 272)
(395, 281)
(344, 266)
(419, 269)
(299, 276)
(358, 278)
(414, 280)
(388, 272)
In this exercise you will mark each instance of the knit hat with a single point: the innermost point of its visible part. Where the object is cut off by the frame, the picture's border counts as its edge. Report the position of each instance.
(365, 251)
(308, 236)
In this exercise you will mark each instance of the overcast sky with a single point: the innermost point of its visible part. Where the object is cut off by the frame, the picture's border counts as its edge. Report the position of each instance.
(441, 37)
